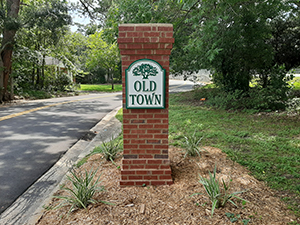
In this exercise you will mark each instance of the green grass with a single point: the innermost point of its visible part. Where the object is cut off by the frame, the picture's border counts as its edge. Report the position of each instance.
(267, 144)
(296, 83)
(100, 87)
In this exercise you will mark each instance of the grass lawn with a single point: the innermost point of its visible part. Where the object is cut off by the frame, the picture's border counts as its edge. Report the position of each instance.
(296, 83)
(100, 87)
(267, 144)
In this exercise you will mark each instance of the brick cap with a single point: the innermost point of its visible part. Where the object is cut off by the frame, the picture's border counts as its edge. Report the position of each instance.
(146, 24)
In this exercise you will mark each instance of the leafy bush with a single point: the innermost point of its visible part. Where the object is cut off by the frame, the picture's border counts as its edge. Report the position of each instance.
(84, 187)
(109, 149)
(218, 196)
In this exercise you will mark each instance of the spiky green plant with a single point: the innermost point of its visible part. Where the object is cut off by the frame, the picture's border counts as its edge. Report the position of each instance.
(218, 194)
(84, 187)
(191, 145)
(109, 149)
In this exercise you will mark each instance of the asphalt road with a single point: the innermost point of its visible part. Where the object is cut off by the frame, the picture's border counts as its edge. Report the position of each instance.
(34, 135)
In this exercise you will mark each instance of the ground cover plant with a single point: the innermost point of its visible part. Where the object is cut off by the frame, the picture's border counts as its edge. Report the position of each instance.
(266, 143)
(100, 87)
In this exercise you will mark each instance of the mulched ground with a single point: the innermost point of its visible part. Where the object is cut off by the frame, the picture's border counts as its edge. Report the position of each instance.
(174, 204)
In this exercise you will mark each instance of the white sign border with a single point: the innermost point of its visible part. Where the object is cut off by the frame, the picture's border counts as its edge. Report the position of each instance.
(128, 79)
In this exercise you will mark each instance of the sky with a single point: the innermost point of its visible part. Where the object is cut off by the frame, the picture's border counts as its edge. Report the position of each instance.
(76, 18)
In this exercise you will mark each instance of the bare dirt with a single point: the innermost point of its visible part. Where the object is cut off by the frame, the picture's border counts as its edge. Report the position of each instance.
(174, 204)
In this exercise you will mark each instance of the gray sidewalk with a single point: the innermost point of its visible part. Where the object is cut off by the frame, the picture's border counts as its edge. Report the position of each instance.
(28, 208)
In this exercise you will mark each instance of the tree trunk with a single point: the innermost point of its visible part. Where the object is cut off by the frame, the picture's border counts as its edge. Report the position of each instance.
(7, 46)
(112, 81)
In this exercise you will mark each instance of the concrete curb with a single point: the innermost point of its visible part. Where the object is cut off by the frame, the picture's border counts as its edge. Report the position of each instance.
(28, 208)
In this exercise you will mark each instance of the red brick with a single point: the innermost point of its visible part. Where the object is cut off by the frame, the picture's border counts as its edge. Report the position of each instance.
(152, 34)
(162, 52)
(145, 136)
(145, 116)
(154, 40)
(125, 167)
(138, 141)
(144, 52)
(126, 146)
(168, 172)
(161, 136)
(145, 156)
(135, 177)
(126, 28)
(126, 161)
(154, 57)
(165, 167)
(145, 126)
(154, 161)
(155, 183)
(126, 172)
(122, 34)
(153, 141)
(153, 121)
(138, 131)
(131, 126)
(151, 167)
(139, 161)
(150, 46)
(142, 172)
(153, 131)
(143, 28)
(126, 183)
(165, 28)
(142, 40)
(165, 177)
(137, 167)
(161, 126)
(128, 52)
(137, 121)
(150, 177)
(138, 151)
(124, 177)
(153, 151)
(142, 183)
(158, 172)
(146, 146)
(130, 136)
(121, 46)
(135, 34)
(130, 116)
(166, 40)
(139, 111)
(125, 40)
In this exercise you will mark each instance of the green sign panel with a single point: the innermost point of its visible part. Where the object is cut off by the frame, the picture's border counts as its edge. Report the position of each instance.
(145, 85)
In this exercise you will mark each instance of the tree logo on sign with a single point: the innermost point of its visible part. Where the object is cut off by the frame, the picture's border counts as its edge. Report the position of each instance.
(145, 70)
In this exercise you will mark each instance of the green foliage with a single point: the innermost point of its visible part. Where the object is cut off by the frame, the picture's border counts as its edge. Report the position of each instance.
(109, 149)
(234, 218)
(100, 88)
(84, 187)
(218, 194)
(266, 143)
(103, 54)
(191, 145)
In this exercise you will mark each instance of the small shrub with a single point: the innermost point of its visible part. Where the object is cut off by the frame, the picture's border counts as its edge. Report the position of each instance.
(218, 194)
(109, 149)
(191, 145)
(84, 187)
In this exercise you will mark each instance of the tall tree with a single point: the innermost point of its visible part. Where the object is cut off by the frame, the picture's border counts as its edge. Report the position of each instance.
(10, 11)
(103, 54)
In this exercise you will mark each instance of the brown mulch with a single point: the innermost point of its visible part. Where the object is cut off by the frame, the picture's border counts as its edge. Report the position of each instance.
(174, 204)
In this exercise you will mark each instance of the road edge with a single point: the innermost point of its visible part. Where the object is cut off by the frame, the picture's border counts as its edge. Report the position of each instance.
(28, 208)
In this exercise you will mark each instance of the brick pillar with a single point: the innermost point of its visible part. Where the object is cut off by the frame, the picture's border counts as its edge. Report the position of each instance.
(146, 160)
